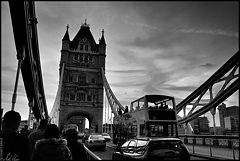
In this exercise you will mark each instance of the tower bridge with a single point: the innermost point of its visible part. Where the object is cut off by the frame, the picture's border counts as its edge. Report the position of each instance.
(82, 79)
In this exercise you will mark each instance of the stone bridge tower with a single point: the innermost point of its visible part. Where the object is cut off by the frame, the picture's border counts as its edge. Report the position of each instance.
(82, 86)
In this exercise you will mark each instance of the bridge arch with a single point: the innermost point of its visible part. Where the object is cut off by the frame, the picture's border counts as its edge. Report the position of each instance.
(93, 123)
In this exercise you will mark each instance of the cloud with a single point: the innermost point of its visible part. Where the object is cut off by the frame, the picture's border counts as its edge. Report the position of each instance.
(207, 65)
(211, 32)
(182, 88)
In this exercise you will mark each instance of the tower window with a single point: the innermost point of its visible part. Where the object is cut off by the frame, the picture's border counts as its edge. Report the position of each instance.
(70, 79)
(75, 57)
(93, 80)
(89, 98)
(72, 97)
(86, 58)
(74, 78)
(91, 58)
(86, 47)
(80, 96)
(81, 58)
(81, 79)
(67, 96)
(81, 46)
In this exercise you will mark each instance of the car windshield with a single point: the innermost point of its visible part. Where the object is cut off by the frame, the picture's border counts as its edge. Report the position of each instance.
(105, 134)
(96, 137)
(141, 146)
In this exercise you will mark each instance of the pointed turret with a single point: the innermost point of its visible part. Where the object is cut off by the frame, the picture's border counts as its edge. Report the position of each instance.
(66, 40)
(102, 44)
(102, 40)
(66, 36)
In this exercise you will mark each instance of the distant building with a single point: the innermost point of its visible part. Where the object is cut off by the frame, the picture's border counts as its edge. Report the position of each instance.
(231, 123)
(219, 130)
(201, 125)
(229, 118)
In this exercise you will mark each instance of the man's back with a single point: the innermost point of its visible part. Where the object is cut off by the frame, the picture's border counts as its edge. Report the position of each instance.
(78, 151)
(51, 149)
(34, 137)
(15, 146)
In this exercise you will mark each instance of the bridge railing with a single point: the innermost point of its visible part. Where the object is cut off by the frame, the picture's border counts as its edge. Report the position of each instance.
(213, 146)
(91, 155)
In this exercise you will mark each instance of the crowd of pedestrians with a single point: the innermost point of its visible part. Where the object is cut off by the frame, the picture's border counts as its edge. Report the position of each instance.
(44, 143)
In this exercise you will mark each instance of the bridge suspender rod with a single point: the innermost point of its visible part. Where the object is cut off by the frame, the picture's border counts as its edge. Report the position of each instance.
(112, 100)
(14, 96)
(20, 57)
(105, 109)
(54, 114)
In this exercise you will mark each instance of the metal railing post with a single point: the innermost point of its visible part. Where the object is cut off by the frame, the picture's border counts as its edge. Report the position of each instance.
(194, 143)
(210, 147)
(233, 150)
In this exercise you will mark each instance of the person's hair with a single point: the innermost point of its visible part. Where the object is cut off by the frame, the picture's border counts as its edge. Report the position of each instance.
(11, 120)
(52, 131)
(43, 124)
(71, 135)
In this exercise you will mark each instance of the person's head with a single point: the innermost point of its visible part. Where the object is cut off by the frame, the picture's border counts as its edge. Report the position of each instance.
(71, 135)
(51, 131)
(43, 124)
(26, 126)
(11, 120)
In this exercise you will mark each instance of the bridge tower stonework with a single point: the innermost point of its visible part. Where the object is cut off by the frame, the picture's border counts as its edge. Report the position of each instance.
(82, 85)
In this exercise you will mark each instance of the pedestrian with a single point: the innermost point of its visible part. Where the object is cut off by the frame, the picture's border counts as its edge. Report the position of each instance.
(37, 135)
(24, 131)
(126, 109)
(15, 145)
(51, 147)
(77, 149)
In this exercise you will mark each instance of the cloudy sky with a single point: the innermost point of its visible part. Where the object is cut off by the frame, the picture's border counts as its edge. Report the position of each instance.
(152, 47)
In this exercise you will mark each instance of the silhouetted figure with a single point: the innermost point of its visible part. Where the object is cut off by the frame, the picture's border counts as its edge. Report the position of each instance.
(119, 112)
(165, 106)
(24, 131)
(126, 109)
(37, 135)
(51, 148)
(77, 149)
(15, 145)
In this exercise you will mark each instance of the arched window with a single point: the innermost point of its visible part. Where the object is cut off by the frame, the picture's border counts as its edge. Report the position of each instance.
(82, 79)
(81, 96)
(86, 47)
(72, 97)
(81, 46)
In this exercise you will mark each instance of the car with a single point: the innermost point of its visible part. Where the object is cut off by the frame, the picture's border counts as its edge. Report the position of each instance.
(152, 149)
(107, 137)
(96, 141)
(81, 135)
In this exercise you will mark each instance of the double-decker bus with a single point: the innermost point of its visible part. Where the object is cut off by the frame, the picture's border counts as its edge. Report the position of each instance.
(148, 116)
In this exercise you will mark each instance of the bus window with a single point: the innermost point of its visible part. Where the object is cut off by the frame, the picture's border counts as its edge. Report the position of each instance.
(151, 105)
(134, 106)
(141, 104)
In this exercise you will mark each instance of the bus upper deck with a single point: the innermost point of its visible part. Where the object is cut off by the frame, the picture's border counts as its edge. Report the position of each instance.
(150, 115)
